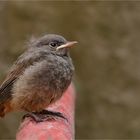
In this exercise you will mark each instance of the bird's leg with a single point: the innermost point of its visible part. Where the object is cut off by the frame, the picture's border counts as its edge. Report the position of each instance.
(44, 115)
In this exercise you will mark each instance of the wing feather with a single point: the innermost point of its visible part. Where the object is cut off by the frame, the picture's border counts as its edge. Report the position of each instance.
(17, 69)
(6, 87)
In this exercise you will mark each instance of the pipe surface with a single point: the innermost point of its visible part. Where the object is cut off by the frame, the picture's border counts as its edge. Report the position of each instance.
(52, 129)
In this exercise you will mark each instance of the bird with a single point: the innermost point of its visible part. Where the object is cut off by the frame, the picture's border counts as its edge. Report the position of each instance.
(38, 77)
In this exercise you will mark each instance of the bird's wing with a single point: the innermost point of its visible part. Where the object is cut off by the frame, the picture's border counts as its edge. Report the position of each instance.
(5, 88)
(17, 69)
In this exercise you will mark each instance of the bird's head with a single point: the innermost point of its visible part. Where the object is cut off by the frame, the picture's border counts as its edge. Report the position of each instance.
(55, 44)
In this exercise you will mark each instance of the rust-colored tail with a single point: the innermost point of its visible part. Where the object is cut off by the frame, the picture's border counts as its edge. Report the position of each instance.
(5, 107)
(2, 112)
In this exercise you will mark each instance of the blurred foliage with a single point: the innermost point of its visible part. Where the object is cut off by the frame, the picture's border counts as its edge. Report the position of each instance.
(107, 59)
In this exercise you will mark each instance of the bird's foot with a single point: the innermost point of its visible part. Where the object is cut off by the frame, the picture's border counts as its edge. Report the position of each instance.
(44, 115)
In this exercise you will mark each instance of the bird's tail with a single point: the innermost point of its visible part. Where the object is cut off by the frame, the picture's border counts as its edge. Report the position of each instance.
(5, 107)
(2, 110)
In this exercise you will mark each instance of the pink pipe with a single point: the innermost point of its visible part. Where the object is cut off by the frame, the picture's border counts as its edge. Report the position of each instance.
(58, 129)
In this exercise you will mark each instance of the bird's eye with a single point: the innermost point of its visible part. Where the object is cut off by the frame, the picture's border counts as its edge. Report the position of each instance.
(53, 44)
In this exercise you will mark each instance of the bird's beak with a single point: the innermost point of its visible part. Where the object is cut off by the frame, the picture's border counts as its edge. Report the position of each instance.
(67, 45)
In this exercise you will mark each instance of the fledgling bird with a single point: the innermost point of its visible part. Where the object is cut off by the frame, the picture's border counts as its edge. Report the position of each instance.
(39, 77)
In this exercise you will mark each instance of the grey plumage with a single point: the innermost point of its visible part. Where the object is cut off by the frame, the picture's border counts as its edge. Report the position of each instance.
(39, 76)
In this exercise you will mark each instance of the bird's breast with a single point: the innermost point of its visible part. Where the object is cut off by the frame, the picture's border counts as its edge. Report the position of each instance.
(42, 82)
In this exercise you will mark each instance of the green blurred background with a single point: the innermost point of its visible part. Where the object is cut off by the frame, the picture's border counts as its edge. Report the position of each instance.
(107, 60)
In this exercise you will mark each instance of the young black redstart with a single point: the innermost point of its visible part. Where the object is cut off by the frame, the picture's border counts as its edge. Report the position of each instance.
(39, 77)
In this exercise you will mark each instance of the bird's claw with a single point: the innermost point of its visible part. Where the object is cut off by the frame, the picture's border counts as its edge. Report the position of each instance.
(44, 115)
